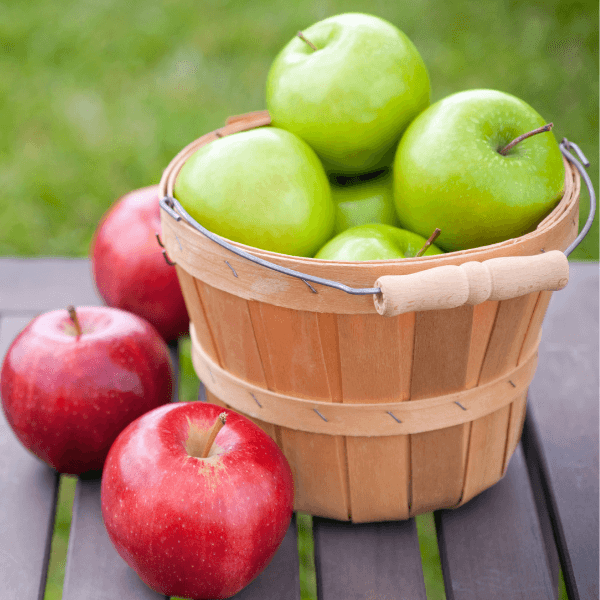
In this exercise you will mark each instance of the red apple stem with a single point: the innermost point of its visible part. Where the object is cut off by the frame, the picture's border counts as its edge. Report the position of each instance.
(301, 36)
(428, 243)
(75, 319)
(221, 419)
(547, 127)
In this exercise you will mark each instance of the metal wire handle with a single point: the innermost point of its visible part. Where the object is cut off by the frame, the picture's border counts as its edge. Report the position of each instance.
(176, 211)
(565, 146)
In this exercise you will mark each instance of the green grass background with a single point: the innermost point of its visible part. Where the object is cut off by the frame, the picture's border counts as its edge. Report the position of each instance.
(96, 97)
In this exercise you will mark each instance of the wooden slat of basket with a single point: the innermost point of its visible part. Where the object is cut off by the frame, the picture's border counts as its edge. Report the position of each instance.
(535, 325)
(518, 409)
(193, 301)
(227, 327)
(486, 454)
(441, 356)
(484, 316)
(231, 328)
(378, 468)
(295, 353)
(494, 437)
(509, 332)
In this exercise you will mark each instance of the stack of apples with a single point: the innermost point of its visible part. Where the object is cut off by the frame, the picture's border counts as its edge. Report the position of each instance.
(357, 165)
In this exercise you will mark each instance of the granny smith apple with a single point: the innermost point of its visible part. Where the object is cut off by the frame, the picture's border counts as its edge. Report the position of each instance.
(358, 202)
(264, 187)
(374, 241)
(450, 172)
(349, 87)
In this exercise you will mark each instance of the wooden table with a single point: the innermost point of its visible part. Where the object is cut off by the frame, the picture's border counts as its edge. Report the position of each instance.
(506, 543)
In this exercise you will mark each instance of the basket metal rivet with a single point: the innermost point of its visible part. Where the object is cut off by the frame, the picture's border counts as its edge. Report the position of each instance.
(312, 289)
(167, 259)
(389, 412)
(513, 384)
(459, 404)
(322, 417)
(179, 242)
(542, 250)
(232, 269)
(211, 375)
(255, 400)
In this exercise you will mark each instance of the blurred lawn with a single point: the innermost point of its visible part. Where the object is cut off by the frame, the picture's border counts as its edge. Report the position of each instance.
(96, 97)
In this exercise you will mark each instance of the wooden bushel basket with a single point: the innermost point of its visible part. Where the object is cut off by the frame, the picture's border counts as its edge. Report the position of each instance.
(380, 417)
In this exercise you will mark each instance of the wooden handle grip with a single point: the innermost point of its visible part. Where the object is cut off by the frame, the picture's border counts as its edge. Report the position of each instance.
(471, 283)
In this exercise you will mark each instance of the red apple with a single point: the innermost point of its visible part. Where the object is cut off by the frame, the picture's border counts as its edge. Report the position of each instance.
(71, 384)
(128, 266)
(193, 517)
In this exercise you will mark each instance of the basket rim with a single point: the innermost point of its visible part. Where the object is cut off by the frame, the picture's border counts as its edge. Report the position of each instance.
(257, 119)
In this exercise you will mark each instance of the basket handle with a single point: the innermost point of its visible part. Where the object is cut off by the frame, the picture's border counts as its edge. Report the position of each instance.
(472, 282)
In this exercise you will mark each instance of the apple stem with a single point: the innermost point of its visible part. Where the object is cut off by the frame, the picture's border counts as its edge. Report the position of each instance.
(301, 36)
(221, 419)
(547, 127)
(75, 319)
(428, 243)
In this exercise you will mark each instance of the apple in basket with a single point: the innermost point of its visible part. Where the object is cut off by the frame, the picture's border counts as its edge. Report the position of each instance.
(129, 269)
(364, 199)
(375, 241)
(481, 165)
(264, 188)
(73, 380)
(348, 85)
(196, 499)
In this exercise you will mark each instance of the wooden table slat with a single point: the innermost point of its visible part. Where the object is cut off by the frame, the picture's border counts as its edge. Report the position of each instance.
(543, 510)
(502, 544)
(41, 284)
(492, 547)
(372, 560)
(281, 579)
(94, 570)
(561, 433)
(28, 489)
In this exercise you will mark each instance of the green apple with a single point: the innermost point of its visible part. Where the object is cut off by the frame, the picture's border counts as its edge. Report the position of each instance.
(358, 202)
(351, 97)
(374, 241)
(449, 171)
(264, 188)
